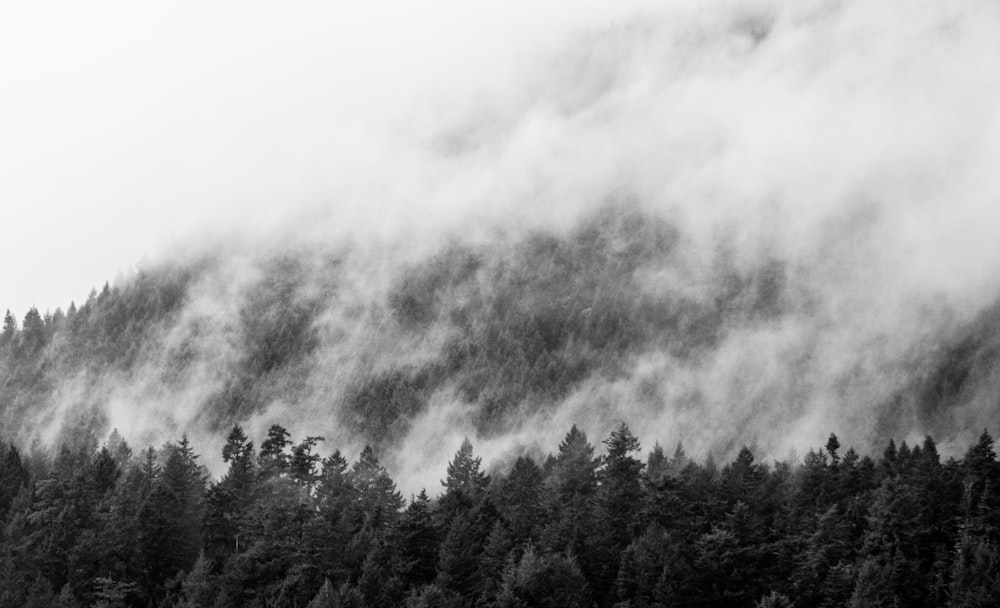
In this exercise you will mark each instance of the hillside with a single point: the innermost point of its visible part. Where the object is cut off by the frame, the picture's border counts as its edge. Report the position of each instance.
(616, 318)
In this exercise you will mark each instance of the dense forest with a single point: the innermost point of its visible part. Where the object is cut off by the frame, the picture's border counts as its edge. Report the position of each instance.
(584, 526)
(612, 319)
(610, 305)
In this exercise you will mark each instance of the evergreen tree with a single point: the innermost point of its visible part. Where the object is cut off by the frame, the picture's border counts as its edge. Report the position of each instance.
(13, 477)
(416, 541)
(9, 331)
(544, 581)
(465, 483)
(619, 503)
(228, 502)
(273, 459)
(378, 502)
(574, 473)
(520, 498)
(975, 576)
(303, 462)
(652, 571)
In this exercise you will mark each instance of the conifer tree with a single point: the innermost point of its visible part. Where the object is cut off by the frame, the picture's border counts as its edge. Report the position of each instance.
(378, 502)
(9, 331)
(520, 498)
(544, 581)
(465, 483)
(416, 540)
(273, 459)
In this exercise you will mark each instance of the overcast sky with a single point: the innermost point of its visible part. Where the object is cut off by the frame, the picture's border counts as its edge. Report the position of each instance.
(127, 128)
(130, 131)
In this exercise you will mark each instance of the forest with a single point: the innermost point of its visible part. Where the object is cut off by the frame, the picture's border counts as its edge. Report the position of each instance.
(584, 526)
(514, 334)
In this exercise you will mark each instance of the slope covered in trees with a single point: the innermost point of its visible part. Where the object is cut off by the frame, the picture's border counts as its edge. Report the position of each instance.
(620, 316)
(586, 525)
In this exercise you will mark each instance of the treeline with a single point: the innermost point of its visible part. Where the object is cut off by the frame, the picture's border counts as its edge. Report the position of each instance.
(286, 528)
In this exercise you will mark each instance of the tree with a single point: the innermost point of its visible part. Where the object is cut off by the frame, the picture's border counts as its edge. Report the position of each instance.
(497, 550)
(571, 486)
(832, 445)
(574, 473)
(177, 504)
(238, 452)
(519, 498)
(228, 502)
(981, 480)
(657, 465)
(272, 459)
(416, 541)
(13, 478)
(459, 556)
(33, 334)
(741, 478)
(303, 462)
(465, 482)
(103, 472)
(651, 571)
(544, 581)
(378, 502)
(619, 502)
(975, 576)
(9, 332)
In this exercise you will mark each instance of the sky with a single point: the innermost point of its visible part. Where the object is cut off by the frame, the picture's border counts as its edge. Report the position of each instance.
(131, 133)
(129, 130)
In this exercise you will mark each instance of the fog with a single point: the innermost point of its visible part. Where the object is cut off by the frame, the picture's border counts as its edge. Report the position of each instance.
(855, 143)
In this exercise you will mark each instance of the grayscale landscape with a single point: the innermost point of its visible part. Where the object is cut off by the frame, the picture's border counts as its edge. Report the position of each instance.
(653, 304)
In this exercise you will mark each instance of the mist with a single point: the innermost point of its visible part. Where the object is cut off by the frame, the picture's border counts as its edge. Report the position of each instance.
(803, 196)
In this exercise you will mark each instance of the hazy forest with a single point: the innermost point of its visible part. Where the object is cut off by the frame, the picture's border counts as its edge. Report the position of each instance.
(622, 304)
(94, 517)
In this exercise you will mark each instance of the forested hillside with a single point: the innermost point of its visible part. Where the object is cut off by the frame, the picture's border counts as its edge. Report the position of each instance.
(618, 317)
(292, 524)
(511, 328)
(356, 246)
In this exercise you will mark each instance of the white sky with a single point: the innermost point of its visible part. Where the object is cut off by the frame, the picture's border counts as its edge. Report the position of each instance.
(126, 128)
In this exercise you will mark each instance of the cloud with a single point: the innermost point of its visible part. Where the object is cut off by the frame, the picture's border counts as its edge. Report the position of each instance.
(853, 143)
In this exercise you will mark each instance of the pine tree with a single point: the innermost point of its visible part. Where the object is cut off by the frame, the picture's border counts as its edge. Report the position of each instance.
(13, 478)
(519, 498)
(273, 459)
(574, 473)
(378, 502)
(229, 501)
(198, 588)
(303, 462)
(544, 581)
(650, 571)
(571, 486)
(657, 465)
(975, 575)
(466, 480)
(33, 335)
(416, 540)
(619, 503)
(9, 332)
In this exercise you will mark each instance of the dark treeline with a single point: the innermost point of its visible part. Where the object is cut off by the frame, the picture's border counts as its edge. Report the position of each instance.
(285, 527)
